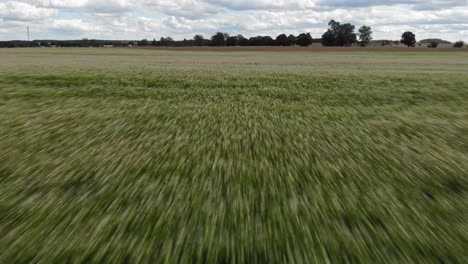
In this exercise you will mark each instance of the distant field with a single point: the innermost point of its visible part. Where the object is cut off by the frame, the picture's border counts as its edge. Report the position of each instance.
(316, 48)
(153, 156)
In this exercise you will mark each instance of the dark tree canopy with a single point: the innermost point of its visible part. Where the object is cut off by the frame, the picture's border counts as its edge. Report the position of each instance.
(255, 41)
(219, 39)
(339, 34)
(168, 41)
(242, 41)
(283, 40)
(365, 35)
(268, 41)
(143, 42)
(292, 39)
(329, 39)
(459, 44)
(346, 35)
(408, 38)
(198, 39)
(261, 41)
(231, 41)
(433, 44)
(304, 39)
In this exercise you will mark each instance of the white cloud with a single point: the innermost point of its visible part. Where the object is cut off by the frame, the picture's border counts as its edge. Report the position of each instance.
(184, 8)
(99, 6)
(73, 25)
(65, 4)
(265, 4)
(23, 11)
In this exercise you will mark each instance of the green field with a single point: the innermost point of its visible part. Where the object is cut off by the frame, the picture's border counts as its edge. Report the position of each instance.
(140, 156)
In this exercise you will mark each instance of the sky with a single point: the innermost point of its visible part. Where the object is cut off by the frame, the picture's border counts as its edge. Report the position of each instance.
(139, 19)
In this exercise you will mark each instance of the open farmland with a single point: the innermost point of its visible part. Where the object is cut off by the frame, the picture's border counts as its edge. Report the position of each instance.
(152, 156)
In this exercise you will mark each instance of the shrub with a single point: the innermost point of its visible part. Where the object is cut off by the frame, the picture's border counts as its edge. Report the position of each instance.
(459, 44)
(385, 43)
(408, 38)
(433, 45)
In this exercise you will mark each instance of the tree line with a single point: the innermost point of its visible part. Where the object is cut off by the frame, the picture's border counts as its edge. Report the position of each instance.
(337, 34)
(63, 43)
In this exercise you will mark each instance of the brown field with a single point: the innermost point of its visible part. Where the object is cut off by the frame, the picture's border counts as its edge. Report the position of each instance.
(310, 48)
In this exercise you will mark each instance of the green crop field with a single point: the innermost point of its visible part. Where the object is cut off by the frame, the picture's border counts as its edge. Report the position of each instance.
(150, 156)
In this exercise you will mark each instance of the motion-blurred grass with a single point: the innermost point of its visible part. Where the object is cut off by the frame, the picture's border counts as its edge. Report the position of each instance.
(275, 157)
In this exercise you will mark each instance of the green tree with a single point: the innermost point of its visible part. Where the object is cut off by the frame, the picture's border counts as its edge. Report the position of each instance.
(459, 44)
(433, 44)
(267, 41)
(282, 40)
(231, 41)
(143, 42)
(166, 41)
(292, 39)
(198, 39)
(408, 38)
(242, 41)
(255, 41)
(365, 35)
(328, 38)
(219, 39)
(339, 34)
(334, 27)
(304, 39)
(346, 35)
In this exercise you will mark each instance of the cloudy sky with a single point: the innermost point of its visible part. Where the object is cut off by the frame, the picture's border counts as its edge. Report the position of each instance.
(138, 19)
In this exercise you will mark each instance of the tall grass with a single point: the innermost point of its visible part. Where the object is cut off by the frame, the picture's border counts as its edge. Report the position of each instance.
(211, 165)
